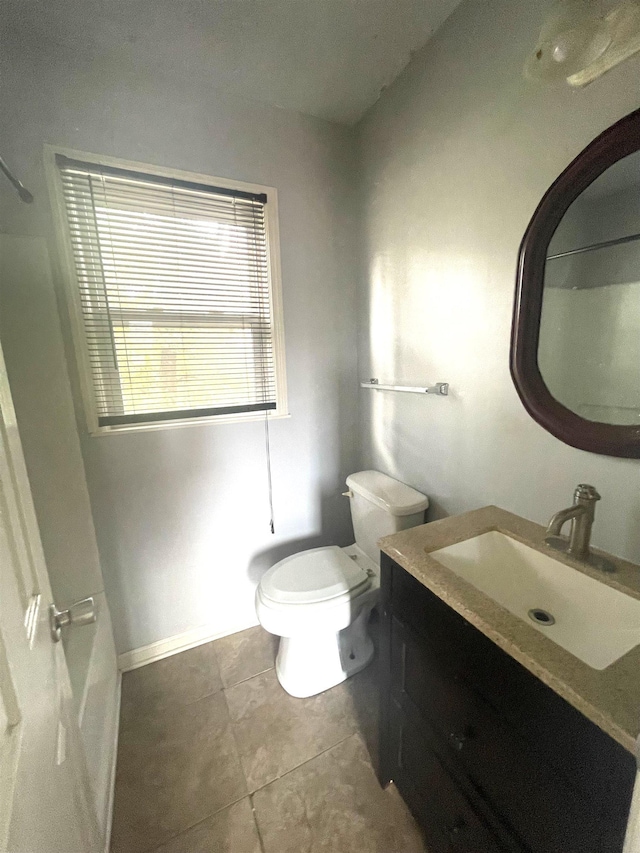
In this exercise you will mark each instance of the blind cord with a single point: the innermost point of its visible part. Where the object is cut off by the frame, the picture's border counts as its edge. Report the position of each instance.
(269, 483)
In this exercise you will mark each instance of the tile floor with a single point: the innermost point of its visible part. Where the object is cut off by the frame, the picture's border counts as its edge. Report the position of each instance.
(215, 757)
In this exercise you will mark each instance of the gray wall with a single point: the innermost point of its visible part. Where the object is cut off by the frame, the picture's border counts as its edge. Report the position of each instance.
(181, 515)
(455, 157)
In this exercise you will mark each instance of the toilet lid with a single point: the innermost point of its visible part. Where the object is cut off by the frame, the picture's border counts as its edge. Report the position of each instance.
(312, 576)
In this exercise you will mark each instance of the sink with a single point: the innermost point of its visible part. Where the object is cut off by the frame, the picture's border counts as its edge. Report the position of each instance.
(593, 621)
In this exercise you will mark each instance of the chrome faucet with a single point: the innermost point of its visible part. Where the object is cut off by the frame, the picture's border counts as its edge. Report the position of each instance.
(581, 515)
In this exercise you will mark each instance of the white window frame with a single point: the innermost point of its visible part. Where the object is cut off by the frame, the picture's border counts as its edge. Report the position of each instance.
(72, 290)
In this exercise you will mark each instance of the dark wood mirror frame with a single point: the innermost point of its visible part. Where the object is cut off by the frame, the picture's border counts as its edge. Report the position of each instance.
(616, 142)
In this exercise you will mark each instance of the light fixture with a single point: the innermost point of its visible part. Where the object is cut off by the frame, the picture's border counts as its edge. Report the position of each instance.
(580, 41)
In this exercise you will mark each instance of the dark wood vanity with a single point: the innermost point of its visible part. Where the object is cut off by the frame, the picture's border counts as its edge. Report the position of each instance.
(488, 757)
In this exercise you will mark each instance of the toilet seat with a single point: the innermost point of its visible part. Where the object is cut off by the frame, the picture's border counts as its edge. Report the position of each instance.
(314, 577)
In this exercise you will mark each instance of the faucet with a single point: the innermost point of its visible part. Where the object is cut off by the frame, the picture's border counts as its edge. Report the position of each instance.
(581, 515)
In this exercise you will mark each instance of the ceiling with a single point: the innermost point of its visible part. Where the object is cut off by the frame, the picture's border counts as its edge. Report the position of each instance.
(327, 58)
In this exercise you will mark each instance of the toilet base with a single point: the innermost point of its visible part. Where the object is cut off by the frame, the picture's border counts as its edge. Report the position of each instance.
(308, 664)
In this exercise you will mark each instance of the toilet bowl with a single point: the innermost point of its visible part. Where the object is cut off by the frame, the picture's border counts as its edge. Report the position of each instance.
(319, 601)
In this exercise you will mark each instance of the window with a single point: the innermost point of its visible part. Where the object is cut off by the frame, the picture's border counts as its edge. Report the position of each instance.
(175, 294)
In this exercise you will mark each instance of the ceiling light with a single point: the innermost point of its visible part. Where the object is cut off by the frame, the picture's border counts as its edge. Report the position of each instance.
(579, 41)
(624, 25)
(574, 36)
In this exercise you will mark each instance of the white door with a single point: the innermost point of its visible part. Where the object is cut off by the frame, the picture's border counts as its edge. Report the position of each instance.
(45, 804)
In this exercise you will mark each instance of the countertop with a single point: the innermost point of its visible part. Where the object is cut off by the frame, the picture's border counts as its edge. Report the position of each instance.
(610, 697)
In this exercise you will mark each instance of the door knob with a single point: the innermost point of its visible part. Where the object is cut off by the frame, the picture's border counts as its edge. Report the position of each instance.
(81, 613)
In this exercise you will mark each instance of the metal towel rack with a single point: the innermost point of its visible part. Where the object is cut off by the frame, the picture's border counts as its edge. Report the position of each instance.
(441, 388)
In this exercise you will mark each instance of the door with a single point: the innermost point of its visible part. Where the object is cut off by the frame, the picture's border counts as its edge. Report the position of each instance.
(45, 804)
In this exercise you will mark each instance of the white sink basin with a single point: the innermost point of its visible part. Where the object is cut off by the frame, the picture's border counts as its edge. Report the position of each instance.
(594, 622)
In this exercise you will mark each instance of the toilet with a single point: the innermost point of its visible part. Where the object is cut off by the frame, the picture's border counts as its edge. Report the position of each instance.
(318, 601)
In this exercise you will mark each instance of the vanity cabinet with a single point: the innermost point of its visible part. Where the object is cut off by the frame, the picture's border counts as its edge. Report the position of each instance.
(488, 757)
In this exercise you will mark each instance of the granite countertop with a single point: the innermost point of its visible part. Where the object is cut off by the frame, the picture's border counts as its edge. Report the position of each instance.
(609, 697)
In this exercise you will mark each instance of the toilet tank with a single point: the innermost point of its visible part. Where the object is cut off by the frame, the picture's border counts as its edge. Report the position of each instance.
(381, 505)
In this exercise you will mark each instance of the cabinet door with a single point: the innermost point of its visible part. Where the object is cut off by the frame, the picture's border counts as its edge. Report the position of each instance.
(451, 679)
(532, 797)
(445, 812)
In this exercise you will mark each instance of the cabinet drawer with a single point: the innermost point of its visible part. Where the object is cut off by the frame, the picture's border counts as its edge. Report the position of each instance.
(429, 616)
(449, 820)
(532, 797)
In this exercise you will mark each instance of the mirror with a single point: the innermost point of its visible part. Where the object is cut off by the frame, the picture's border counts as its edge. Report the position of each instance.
(589, 347)
(575, 356)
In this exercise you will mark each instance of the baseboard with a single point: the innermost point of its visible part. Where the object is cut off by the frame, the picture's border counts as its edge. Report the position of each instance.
(172, 645)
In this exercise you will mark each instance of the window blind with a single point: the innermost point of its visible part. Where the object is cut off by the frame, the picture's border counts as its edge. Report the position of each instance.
(174, 290)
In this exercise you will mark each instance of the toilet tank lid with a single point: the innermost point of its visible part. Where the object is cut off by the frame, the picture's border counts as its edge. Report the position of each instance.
(391, 495)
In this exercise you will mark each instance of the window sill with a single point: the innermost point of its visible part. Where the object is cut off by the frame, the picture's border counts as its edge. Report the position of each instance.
(186, 422)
